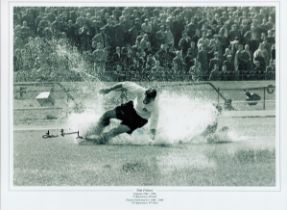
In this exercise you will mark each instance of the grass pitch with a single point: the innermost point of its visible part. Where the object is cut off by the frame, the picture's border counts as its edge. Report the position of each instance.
(249, 161)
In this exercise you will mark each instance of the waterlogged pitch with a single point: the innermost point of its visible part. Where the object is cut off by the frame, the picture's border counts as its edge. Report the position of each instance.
(247, 161)
(247, 158)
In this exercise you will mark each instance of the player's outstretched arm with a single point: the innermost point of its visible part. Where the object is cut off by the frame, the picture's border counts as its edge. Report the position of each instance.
(114, 87)
(128, 86)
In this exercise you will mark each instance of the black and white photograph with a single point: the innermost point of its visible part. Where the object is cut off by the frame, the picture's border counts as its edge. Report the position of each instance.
(142, 97)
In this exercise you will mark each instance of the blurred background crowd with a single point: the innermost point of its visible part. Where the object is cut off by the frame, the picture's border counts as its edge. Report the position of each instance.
(147, 43)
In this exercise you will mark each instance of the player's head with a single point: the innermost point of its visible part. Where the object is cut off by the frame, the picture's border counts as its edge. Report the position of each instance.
(150, 95)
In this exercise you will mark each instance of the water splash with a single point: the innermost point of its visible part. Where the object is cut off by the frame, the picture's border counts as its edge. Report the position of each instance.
(88, 107)
(76, 61)
(93, 109)
(181, 118)
(223, 135)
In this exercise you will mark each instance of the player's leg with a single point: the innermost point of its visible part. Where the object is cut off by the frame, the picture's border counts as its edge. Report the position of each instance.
(105, 137)
(117, 131)
(102, 123)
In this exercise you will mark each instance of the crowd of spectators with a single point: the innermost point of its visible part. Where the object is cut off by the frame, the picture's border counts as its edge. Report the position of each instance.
(157, 43)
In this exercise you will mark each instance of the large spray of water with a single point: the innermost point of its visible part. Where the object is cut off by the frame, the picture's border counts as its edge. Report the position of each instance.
(180, 119)
(181, 116)
(91, 105)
